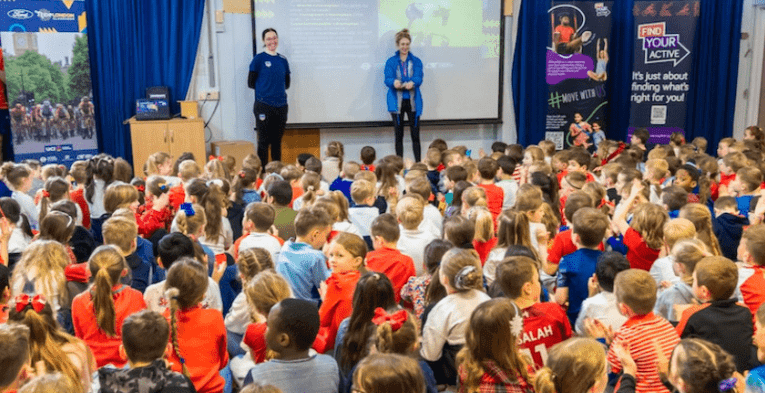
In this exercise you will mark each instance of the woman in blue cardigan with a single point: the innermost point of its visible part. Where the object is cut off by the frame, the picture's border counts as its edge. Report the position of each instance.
(403, 76)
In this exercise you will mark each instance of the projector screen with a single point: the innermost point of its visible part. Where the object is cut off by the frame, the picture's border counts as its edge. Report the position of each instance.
(337, 52)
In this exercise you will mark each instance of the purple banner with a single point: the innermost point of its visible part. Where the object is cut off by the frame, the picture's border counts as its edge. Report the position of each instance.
(577, 72)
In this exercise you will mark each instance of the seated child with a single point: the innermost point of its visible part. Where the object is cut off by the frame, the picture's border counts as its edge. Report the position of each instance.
(697, 365)
(728, 226)
(495, 195)
(673, 198)
(368, 156)
(748, 182)
(729, 166)
(333, 161)
(562, 244)
(719, 320)
(387, 372)
(602, 306)
(506, 182)
(301, 261)
(171, 248)
(346, 259)
(412, 240)
(519, 279)
(663, 270)
(499, 366)
(589, 229)
(144, 342)
(755, 382)
(279, 195)
(344, 181)
(258, 219)
(291, 174)
(249, 263)
(363, 212)
(293, 325)
(197, 335)
(395, 332)
(685, 254)
(414, 290)
(432, 219)
(645, 334)
(433, 160)
(122, 233)
(97, 314)
(751, 251)
(386, 258)
(443, 334)
(687, 178)
(15, 362)
(645, 234)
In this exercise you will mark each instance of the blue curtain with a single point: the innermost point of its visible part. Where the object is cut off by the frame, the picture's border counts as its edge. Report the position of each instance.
(715, 72)
(712, 101)
(134, 45)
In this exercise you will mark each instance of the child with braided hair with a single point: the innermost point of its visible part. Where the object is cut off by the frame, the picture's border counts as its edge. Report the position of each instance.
(443, 333)
(198, 356)
(97, 313)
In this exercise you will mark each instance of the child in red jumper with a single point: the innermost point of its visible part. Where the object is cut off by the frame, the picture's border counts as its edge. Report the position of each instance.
(562, 244)
(386, 258)
(79, 174)
(645, 235)
(346, 260)
(483, 239)
(97, 313)
(156, 213)
(264, 290)
(198, 335)
(495, 195)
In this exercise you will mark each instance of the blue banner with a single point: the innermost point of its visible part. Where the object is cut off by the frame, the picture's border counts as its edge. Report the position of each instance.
(664, 36)
(577, 71)
(48, 85)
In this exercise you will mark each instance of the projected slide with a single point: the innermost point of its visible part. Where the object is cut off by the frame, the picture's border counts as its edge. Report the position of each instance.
(337, 52)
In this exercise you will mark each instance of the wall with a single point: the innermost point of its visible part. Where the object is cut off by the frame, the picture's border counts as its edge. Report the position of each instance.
(750, 71)
(233, 119)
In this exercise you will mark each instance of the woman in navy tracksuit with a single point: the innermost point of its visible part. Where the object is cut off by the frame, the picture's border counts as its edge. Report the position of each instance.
(270, 77)
(403, 76)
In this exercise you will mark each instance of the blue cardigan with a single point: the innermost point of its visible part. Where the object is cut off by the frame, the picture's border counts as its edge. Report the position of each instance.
(393, 72)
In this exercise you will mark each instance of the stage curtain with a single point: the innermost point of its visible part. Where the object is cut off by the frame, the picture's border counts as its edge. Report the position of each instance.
(134, 45)
(528, 84)
(715, 72)
(712, 101)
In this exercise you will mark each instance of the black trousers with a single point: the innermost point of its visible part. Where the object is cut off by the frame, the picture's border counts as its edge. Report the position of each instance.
(270, 122)
(414, 126)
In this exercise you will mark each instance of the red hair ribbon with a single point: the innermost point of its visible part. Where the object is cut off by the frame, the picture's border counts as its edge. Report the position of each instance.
(23, 300)
(219, 158)
(613, 155)
(242, 174)
(396, 319)
(45, 194)
(141, 188)
(604, 202)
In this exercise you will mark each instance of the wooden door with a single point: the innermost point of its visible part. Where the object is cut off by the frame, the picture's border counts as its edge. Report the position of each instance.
(188, 136)
(147, 137)
(296, 141)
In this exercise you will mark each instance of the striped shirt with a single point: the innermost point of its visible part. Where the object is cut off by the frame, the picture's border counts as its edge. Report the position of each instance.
(642, 334)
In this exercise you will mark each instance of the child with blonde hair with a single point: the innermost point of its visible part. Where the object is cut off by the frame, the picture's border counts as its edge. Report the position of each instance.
(573, 366)
(663, 270)
(685, 254)
(513, 230)
(483, 240)
(384, 373)
(41, 271)
(59, 351)
(97, 314)
(310, 183)
(443, 333)
(197, 335)
(529, 201)
(216, 169)
(701, 218)
(491, 359)
(262, 292)
(187, 171)
(412, 240)
(333, 161)
(644, 236)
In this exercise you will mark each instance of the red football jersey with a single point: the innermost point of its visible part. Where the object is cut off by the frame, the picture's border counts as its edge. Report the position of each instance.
(544, 325)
